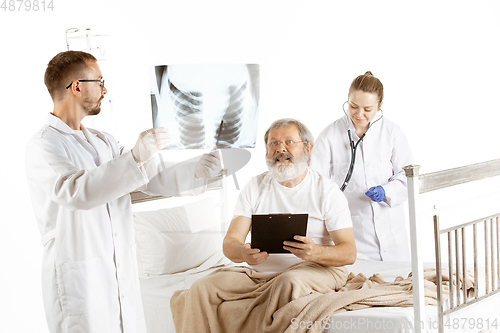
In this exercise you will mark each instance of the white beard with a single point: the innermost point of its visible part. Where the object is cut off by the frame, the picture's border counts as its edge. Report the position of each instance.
(288, 172)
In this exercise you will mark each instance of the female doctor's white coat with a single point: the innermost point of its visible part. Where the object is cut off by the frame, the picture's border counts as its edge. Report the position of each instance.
(80, 195)
(379, 227)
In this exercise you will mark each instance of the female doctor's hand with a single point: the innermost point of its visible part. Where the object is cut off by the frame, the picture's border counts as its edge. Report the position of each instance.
(253, 256)
(376, 193)
(304, 248)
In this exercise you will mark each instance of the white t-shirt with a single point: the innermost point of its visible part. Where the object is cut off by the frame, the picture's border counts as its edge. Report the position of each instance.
(315, 195)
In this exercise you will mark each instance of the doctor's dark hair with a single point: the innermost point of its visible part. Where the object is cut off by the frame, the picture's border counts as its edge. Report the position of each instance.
(64, 67)
(304, 132)
(368, 83)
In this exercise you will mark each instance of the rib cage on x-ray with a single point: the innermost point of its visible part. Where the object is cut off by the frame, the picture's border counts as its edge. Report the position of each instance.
(192, 100)
(188, 107)
(190, 118)
(228, 134)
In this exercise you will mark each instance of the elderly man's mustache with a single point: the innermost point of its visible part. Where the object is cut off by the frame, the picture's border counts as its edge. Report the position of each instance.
(282, 157)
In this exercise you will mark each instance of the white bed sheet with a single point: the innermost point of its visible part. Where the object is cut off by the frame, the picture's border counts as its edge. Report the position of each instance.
(157, 291)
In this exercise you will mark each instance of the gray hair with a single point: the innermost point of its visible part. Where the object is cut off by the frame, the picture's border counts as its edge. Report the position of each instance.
(304, 132)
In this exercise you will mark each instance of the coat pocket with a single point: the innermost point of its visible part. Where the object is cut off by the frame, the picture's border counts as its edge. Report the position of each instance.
(82, 286)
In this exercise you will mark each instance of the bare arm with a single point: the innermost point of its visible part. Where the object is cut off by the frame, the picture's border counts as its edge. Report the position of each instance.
(340, 254)
(234, 246)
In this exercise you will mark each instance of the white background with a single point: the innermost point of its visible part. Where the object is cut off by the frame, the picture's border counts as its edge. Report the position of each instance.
(438, 61)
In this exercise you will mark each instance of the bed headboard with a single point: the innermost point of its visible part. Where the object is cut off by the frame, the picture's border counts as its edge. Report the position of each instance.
(216, 183)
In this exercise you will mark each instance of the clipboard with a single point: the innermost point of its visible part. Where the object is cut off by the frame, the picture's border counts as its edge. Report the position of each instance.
(269, 231)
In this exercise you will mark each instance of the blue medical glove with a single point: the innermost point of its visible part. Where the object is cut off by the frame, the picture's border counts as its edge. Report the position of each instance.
(376, 193)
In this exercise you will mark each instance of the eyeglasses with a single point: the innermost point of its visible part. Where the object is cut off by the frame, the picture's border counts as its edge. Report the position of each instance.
(287, 143)
(99, 80)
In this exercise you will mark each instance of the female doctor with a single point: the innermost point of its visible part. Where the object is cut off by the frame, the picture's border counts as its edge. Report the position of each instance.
(364, 153)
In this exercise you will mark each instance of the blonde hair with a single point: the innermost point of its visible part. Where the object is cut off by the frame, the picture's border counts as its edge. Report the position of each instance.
(368, 83)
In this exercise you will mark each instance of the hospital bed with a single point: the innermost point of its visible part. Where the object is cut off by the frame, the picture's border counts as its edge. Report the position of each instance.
(467, 247)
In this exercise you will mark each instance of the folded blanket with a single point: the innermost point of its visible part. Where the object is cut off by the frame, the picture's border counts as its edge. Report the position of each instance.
(242, 300)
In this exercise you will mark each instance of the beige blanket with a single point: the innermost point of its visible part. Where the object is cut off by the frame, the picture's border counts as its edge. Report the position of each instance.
(242, 300)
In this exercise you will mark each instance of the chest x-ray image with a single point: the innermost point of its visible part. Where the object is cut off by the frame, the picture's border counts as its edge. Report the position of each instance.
(206, 105)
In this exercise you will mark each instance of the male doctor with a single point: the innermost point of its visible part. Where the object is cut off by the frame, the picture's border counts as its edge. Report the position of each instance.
(79, 179)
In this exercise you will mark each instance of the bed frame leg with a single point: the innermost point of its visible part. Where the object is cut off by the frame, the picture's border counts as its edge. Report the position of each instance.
(411, 172)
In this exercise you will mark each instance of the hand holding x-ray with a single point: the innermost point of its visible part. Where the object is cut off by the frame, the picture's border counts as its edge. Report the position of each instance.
(149, 143)
(208, 166)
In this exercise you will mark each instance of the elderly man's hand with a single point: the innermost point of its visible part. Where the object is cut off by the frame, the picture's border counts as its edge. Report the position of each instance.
(305, 250)
(253, 256)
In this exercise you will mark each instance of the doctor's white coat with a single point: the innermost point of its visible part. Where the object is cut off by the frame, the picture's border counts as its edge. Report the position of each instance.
(80, 195)
(379, 227)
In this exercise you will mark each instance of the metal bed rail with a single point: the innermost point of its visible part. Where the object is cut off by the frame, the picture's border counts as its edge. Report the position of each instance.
(461, 175)
(418, 184)
(457, 265)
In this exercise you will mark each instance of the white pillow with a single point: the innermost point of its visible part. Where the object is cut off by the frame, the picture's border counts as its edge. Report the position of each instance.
(177, 239)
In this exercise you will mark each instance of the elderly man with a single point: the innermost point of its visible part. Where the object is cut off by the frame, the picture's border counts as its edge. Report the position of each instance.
(290, 187)
(248, 300)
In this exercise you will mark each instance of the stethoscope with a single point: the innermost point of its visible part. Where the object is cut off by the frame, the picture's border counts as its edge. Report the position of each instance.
(354, 147)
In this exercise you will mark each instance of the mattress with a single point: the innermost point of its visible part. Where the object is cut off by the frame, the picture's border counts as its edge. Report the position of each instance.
(482, 316)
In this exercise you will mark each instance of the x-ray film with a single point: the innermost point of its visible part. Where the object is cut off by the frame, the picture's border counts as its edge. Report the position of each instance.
(206, 105)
